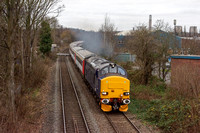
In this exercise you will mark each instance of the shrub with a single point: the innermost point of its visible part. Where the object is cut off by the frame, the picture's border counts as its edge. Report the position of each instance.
(128, 65)
(38, 73)
(134, 76)
(146, 92)
(171, 116)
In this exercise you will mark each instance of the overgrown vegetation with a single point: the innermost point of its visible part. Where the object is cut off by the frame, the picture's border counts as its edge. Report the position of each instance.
(29, 103)
(21, 66)
(171, 109)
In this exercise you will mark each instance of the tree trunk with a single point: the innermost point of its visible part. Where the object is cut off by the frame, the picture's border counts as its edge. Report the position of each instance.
(11, 58)
(12, 85)
(159, 66)
(11, 81)
(22, 59)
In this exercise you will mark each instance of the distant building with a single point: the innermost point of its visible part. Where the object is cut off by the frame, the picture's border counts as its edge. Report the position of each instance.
(125, 57)
(121, 38)
(179, 31)
(174, 42)
(53, 47)
(193, 31)
(190, 45)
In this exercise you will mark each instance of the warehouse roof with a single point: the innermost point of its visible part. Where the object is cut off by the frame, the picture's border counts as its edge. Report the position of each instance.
(194, 57)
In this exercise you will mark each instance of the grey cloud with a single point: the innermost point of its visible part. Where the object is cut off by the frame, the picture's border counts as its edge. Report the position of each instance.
(127, 13)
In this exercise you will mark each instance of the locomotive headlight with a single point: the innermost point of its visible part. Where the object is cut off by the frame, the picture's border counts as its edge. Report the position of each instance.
(126, 93)
(104, 93)
(105, 101)
(126, 101)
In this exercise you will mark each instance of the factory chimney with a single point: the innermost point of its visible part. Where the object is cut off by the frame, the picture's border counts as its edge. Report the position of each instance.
(150, 22)
(175, 27)
(185, 31)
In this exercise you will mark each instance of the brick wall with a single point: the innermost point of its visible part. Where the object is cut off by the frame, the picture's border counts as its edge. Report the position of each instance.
(185, 74)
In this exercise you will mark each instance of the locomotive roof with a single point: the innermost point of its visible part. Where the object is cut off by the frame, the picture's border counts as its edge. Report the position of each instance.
(77, 48)
(76, 44)
(85, 53)
(98, 62)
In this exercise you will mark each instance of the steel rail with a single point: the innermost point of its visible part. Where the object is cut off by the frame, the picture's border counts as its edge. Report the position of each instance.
(62, 101)
(111, 123)
(131, 123)
(86, 125)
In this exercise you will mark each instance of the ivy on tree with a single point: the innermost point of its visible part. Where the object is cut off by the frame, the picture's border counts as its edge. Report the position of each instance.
(45, 38)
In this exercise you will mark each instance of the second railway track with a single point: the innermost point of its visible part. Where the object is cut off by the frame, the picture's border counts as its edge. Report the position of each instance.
(73, 116)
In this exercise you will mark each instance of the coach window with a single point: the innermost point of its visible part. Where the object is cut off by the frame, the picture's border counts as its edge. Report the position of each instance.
(121, 71)
(113, 69)
(104, 70)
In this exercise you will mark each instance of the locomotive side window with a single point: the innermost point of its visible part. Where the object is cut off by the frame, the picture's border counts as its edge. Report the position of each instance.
(121, 71)
(104, 71)
(113, 69)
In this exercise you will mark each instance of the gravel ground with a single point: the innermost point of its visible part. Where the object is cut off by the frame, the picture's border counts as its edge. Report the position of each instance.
(53, 120)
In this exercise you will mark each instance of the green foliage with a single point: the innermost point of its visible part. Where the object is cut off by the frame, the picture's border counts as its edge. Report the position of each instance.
(151, 104)
(143, 92)
(172, 116)
(140, 107)
(45, 38)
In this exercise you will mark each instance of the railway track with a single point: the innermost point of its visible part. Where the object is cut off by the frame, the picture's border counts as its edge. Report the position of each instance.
(121, 123)
(73, 116)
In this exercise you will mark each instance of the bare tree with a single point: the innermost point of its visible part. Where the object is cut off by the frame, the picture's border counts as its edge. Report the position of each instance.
(142, 44)
(11, 15)
(19, 23)
(164, 39)
(108, 31)
(35, 11)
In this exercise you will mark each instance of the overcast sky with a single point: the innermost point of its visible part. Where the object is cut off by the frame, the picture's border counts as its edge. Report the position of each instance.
(125, 14)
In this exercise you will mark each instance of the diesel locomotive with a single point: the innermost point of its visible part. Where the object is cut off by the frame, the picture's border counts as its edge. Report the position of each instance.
(107, 80)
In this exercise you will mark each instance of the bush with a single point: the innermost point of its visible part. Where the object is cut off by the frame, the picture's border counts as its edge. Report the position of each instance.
(128, 65)
(38, 73)
(134, 76)
(146, 92)
(172, 116)
(140, 107)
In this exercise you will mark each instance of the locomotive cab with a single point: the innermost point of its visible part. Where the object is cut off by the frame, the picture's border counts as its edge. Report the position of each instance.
(114, 88)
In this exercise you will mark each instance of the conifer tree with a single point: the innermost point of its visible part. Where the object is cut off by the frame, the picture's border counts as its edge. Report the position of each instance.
(45, 38)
